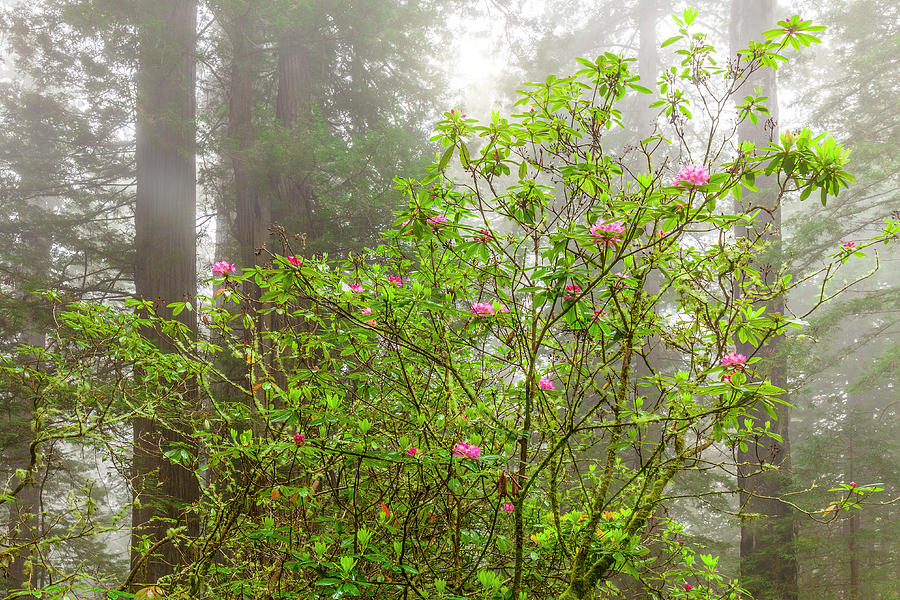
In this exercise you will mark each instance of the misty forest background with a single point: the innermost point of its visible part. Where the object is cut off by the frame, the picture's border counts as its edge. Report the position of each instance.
(300, 115)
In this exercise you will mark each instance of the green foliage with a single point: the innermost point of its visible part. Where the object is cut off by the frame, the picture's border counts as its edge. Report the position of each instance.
(473, 417)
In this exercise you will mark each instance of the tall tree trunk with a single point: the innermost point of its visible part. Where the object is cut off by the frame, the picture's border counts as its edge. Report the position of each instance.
(252, 205)
(25, 518)
(166, 271)
(851, 524)
(768, 554)
(293, 110)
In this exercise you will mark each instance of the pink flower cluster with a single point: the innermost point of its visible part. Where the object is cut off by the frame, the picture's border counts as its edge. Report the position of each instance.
(599, 313)
(692, 174)
(733, 360)
(466, 449)
(413, 451)
(223, 268)
(299, 439)
(365, 311)
(546, 384)
(437, 221)
(484, 236)
(397, 281)
(295, 261)
(508, 507)
(355, 287)
(608, 233)
(849, 245)
(576, 291)
(484, 309)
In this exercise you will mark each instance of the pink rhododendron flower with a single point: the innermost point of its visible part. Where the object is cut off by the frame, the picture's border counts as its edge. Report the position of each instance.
(598, 313)
(355, 288)
(733, 360)
(405, 224)
(366, 311)
(688, 587)
(508, 507)
(372, 322)
(223, 268)
(692, 174)
(608, 233)
(299, 439)
(396, 281)
(467, 450)
(576, 291)
(483, 309)
(546, 384)
(727, 377)
(849, 245)
(295, 261)
(412, 451)
(503, 308)
(852, 484)
(484, 236)
(436, 221)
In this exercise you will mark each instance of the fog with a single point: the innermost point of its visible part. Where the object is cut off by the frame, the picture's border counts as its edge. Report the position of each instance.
(143, 142)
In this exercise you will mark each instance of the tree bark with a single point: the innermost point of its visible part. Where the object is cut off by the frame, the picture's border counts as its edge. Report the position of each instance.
(252, 204)
(293, 110)
(768, 553)
(851, 524)
(165, 238)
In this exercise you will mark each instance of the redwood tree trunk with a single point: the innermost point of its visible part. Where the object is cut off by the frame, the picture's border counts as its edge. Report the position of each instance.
(768, 554)
(25, 524)
(851, 524)
(165, 229)
(252, 204)
(292, 108)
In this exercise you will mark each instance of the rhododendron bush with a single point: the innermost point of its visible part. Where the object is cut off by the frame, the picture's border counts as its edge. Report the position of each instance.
(472, 410)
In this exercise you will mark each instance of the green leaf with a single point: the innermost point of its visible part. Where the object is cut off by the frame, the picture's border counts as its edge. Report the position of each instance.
(463, 155)
(670, 41)
(445, 158)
